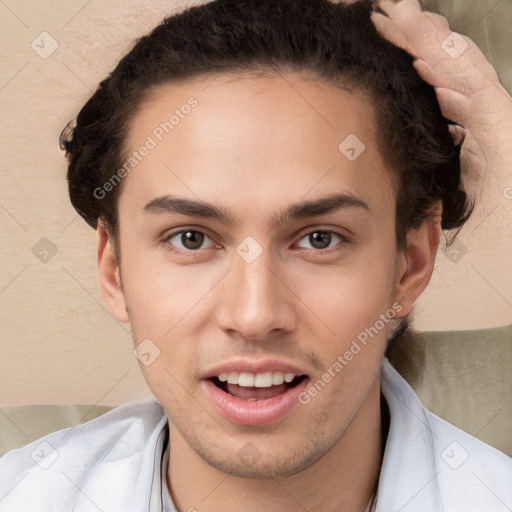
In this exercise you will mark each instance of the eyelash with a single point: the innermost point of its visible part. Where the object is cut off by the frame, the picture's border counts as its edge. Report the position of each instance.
(344, 240)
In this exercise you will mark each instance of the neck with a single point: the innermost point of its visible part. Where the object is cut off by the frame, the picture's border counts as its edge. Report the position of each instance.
(343, 479)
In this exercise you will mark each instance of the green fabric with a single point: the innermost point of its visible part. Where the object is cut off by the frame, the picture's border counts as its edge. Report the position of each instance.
(464, 377)
(21, 424)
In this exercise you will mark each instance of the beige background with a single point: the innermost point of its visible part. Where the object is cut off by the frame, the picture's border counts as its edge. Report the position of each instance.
(59, 344)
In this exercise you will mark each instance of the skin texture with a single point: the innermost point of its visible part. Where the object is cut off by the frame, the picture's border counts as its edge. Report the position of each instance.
(253, 146)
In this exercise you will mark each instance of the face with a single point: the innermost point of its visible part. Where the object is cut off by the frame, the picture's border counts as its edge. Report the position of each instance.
(254, 248)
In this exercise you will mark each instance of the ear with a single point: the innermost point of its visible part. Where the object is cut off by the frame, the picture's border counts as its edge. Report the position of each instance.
(416, 263)
(110, 279)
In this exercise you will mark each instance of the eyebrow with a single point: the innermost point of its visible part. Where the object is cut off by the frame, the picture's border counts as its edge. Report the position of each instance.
(331, 203)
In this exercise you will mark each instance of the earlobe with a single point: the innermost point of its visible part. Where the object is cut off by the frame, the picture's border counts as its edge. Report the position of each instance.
(416, 263)
(110, 279)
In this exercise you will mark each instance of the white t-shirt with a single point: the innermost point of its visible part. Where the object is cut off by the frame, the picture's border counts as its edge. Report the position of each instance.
(117, 463)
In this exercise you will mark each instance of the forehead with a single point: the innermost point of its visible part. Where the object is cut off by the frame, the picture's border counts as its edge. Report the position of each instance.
(275, 135)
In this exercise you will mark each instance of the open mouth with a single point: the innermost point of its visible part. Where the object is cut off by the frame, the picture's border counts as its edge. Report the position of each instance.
(250, 392)
(255, 394)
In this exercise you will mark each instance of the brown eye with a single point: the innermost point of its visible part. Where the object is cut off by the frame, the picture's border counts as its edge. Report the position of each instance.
(321, 239)
(192, 239)
(188, 240)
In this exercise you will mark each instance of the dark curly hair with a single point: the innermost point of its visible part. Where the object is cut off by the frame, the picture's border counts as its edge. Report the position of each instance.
(336, 42)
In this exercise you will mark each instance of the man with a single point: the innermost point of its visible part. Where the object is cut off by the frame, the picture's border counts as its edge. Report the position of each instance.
(268, 182)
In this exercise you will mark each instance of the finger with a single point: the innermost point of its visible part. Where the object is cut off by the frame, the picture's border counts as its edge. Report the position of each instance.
(455, 106)
(449, 60)
(473, 166)
(401, 8)
(443, 83)
(437, 21)
(391, 31)
(426, 71)
(459, 63)
(417, 32)
(409, 16)
(461, 75)
(417, 3)
(423, 30)
(458, 133)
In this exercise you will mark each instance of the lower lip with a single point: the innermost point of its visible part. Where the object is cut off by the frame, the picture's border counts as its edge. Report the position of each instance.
(255, 413)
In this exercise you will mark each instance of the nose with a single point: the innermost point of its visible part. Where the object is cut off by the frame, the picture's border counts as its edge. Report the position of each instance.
(256, 300)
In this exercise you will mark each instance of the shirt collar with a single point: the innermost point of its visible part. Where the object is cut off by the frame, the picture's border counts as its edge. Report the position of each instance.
(408, 477)
(160, 499)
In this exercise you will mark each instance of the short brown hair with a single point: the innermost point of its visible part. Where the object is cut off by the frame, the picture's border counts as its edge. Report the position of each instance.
(336, 41)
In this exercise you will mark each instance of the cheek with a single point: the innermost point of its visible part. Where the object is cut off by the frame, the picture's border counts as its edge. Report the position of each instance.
(160, 295)
(171, 306)
(350, 297)
(162, 302)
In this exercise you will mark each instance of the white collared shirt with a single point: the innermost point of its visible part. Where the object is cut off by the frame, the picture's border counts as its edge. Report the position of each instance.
(117, 463)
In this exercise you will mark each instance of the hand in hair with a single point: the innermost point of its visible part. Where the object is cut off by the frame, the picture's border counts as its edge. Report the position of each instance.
(467, 86)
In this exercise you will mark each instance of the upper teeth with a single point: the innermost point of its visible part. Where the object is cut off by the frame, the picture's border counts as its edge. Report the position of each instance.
(258, 380)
